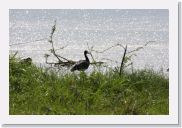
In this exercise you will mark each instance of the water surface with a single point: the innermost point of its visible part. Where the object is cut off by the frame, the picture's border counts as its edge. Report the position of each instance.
(99, 28)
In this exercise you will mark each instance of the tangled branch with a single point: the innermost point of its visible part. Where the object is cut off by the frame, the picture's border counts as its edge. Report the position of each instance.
(63, 61)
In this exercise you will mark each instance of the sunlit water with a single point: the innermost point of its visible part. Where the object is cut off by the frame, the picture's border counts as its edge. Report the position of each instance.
(99, 28)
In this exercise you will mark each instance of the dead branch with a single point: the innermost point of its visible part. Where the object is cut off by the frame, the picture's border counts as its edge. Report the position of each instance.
(122, 62)
(97, 63)
(52, 44)
(139, 48)
(62, 61)
(65, 61)
(117, 62)
(118, 44)
(15, 55)
(90, 49)
(29, 42)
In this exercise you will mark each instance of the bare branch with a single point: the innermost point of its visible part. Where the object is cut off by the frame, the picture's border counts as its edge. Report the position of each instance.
(122, 62)
(62, 61)
(139, 48)
(95, 63)
(109, 48)
(110, 60)
(28, 42)
(61, 48)
(15, 54)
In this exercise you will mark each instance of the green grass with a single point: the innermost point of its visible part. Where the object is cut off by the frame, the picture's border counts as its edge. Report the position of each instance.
(35, 91)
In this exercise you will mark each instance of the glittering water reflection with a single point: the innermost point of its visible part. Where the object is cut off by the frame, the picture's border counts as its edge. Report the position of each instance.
(98, 28)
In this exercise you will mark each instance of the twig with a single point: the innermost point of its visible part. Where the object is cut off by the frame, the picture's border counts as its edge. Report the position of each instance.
(110, 60)
(28, 42)
(95, 63)
(139, 48)
(51, 41)
(65, 61)
(90, 51)
(108, 48)
(15, 54)
(61, 48)
(122, 62)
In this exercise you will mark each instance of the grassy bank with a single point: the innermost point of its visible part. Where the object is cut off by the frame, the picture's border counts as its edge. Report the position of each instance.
(34, 91)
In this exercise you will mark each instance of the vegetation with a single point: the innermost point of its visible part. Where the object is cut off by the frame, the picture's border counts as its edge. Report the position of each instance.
(37, 91)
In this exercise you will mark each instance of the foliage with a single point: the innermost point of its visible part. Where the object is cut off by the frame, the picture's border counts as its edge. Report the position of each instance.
(37, 91)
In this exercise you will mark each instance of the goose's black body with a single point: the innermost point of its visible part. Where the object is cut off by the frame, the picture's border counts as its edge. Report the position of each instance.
(82, 64)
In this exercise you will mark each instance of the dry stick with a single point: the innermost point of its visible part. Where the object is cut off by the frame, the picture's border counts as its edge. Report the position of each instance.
(138, 48)
(71, 62)
(53, 51)
(15, 54)
(117, 62)
(28, 42)
(61, 48)
(66, 59)
(51, 36)
(118, 44)
(94, 62)
(123, 59)
(90, 50)
(108, 48)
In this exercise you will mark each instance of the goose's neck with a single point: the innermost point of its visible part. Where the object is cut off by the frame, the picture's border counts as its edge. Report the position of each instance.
(86, 58)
